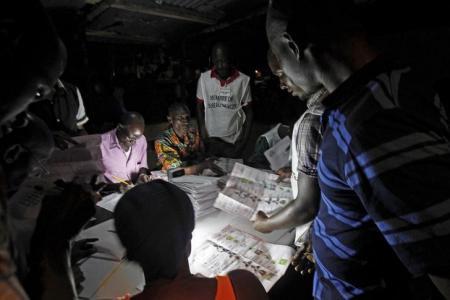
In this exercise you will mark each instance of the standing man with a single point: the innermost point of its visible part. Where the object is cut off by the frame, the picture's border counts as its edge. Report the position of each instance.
(124, 151)
(223, 104)
(385, 162)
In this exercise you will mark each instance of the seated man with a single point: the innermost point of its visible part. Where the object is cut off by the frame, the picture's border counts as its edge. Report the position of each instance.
(154, 222)
(124, 151)
(180, 145)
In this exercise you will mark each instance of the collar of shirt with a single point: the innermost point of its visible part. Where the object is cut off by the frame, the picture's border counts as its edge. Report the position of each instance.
(234, 74)
(359, 79)
(114, 141)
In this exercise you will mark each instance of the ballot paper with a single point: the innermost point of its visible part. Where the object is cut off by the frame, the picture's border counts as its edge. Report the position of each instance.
(278, 155)
(201, 190)
(108, 244)
(110, 201)
(249, 190)
(105, 279)
(232, 249)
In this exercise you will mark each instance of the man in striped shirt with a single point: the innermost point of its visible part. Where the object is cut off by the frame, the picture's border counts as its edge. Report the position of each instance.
(384, 169)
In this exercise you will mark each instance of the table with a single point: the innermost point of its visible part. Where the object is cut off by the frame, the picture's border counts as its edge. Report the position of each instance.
(127, 277)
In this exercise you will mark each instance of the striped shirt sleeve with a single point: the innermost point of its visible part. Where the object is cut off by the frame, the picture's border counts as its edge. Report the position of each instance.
(402, 176)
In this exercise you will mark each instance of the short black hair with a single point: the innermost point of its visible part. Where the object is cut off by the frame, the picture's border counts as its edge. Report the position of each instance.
(178, 106)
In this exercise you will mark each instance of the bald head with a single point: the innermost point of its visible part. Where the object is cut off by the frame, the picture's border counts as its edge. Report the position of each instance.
(131, 128)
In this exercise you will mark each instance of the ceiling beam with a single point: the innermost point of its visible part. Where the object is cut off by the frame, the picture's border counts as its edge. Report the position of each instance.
(165, 11)
(108, 36)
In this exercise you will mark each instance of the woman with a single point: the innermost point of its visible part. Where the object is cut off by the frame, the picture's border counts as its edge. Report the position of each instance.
(154, 222)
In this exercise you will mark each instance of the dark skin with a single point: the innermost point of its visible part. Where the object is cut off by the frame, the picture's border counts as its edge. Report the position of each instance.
(187, 286)
(127, 136)
(179, 120)
(222, 63)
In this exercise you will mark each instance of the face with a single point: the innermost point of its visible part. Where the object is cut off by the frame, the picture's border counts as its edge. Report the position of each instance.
(285, 82)
(30, 83)
(221, 61)
(127, 135)
(179, 120)
(296, 63)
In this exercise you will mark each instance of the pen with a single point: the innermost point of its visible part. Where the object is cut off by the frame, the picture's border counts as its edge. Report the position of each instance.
(120, 180)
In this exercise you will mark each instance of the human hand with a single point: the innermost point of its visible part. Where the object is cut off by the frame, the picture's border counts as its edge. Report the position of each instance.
(283, 173)
(143, 178)
(83, 249)
(303, 259)
(261, 223)
(209, 164)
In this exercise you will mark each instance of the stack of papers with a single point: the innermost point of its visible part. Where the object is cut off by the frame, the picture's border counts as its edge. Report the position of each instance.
(249, 190)
(232, 249)
(202, 190)
(278, 156)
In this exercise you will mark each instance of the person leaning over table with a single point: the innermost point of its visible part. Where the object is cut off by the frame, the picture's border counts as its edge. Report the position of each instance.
(154, 222)
(180, 146)
(124, 151)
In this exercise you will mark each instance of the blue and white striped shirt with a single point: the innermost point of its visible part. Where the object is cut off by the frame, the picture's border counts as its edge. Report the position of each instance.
(384, 175)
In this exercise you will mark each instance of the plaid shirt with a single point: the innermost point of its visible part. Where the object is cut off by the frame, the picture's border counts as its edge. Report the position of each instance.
(172, 152)
(309, 136)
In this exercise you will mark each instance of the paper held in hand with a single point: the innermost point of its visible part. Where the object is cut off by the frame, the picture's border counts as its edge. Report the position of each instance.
(232, 249)
(278, 155)
(249, 190)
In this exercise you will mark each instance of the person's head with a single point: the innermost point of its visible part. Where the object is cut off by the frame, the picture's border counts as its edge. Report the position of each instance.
(221, 59)
(25, 150)
(179, 118)
(130, 128)
(32, 58)
(285, 82)
(154, 222)
(315, 41)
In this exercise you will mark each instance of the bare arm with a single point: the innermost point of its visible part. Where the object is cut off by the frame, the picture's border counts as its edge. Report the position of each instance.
(300, 211)
(201, 120)
(442, 284)
(247, 127)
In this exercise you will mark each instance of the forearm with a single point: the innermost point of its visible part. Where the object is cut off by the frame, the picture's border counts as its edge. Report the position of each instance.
(194, 169)
(201, 121)
(291, 215)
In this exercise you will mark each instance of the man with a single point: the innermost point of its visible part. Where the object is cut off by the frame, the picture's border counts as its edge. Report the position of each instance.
(32, 57)
(64, 111)
(306, 140)
(124, 151)
(385, 162)
(223, 104)
(180, 145)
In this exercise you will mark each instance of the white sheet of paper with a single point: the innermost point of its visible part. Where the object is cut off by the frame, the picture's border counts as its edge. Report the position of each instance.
(278, 155)
(108, 246)
(96, 272)
(232, 249)
(249, 190)
(109, 202)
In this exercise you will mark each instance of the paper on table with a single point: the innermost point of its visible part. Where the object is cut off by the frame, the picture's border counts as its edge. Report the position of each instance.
(278, 155)
(108, 246)
(109, 202)
(232, 249)
(249, 190)
(127, 278)
(96, 272)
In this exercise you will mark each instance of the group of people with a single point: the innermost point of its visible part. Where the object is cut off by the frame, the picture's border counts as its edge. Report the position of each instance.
(369, 169)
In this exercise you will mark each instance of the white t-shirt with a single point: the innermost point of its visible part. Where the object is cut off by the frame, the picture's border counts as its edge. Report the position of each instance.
(223, 101)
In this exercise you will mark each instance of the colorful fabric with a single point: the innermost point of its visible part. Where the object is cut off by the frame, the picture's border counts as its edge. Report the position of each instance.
(223, 101)
(384, 173)
(115, 161)
(174, 152)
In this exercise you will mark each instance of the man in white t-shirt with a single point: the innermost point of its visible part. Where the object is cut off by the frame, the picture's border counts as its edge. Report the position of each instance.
(223, 103)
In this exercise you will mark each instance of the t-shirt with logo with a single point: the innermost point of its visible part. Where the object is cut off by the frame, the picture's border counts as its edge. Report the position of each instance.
(223, 101)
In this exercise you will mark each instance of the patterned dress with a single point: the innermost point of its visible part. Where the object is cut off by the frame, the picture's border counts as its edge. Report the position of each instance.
(174, 152)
